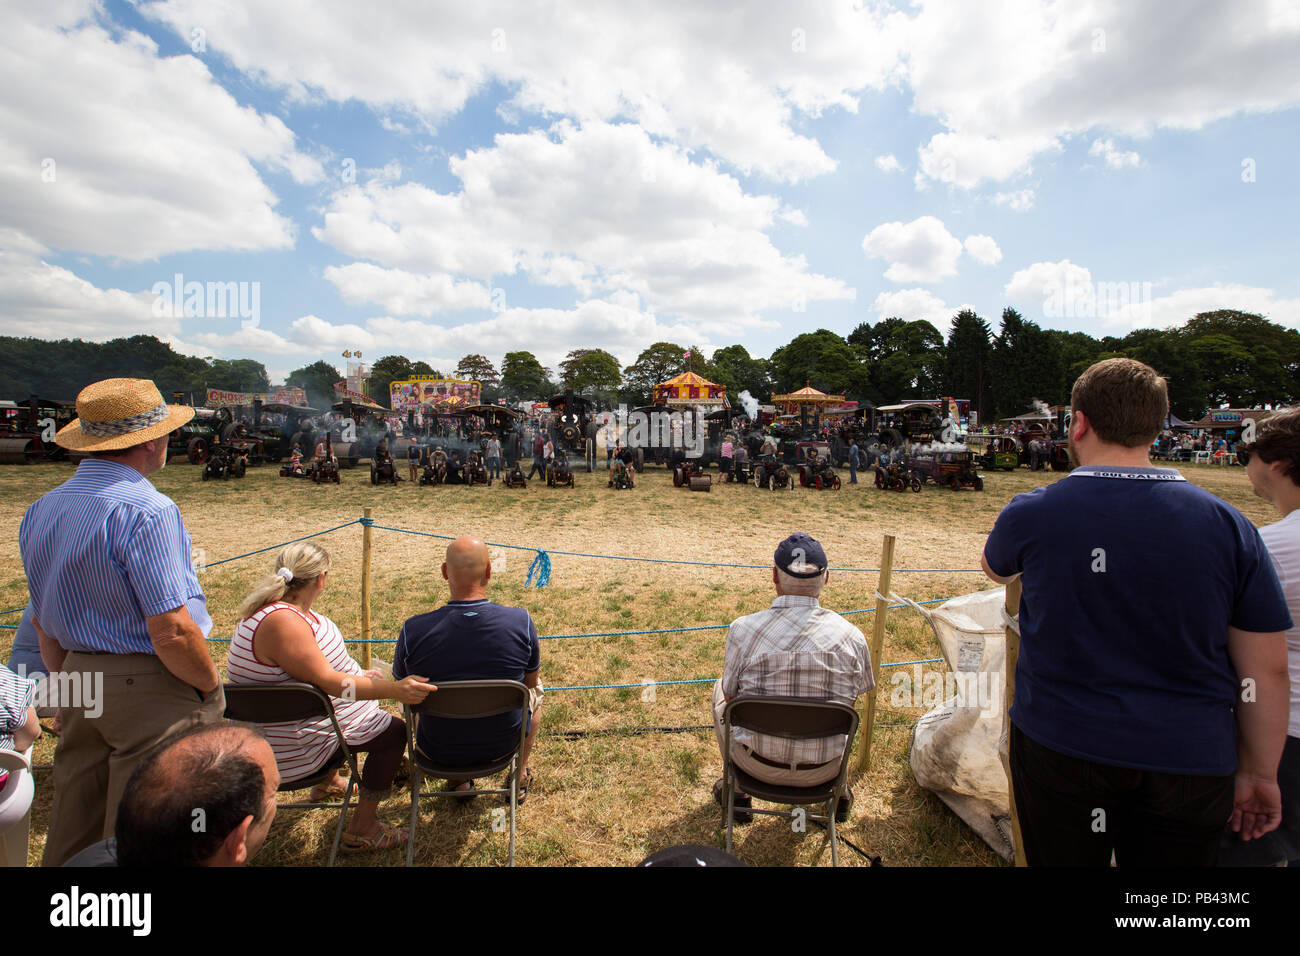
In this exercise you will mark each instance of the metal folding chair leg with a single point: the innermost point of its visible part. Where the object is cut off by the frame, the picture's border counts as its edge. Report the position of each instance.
(830, 826)
(343, 817)
(729, 791)
(514, 802)
(416, 783)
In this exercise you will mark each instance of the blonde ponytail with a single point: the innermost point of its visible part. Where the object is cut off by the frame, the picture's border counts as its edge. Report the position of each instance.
(305, 561)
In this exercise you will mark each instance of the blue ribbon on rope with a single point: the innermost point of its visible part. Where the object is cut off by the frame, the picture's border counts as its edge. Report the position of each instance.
(542, 565)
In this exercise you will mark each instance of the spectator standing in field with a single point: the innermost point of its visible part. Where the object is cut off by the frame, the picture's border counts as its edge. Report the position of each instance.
(115, 604)
(539, 456)
(1140, 726)
(1273, 466)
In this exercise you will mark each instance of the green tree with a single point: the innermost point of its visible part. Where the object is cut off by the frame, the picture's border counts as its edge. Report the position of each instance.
(238, 375)
(317, 380)
(591, 371)
(904, 359)
(734, 367)
(658, 363)
(968, 357)
(385, 371)
(524, 379)
(1025, 365)
(823, 360)
(1245, 359)
(479, 369)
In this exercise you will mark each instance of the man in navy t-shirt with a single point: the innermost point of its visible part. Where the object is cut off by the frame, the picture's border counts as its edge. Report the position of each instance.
(1151, 693)
(472, 638)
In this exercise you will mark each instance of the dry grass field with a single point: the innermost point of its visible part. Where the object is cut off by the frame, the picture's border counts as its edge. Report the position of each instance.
(608, 797)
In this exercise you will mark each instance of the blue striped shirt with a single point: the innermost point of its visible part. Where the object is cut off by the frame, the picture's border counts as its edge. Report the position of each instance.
(103, 551)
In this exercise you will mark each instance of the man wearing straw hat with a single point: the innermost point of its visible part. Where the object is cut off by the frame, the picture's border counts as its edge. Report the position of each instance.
(117, 607)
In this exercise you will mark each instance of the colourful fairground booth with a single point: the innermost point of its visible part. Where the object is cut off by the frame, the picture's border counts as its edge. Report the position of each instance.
(690, 389)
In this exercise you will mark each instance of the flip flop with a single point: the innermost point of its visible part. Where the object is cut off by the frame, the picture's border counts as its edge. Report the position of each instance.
(319, 794)
(521, 793)
(468, 785)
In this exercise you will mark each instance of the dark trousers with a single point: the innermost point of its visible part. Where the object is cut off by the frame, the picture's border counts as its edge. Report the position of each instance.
(383, 758)
(539, 467)
(1075, 812)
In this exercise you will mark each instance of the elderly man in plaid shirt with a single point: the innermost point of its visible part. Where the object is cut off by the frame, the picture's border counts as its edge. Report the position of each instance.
(796, 648)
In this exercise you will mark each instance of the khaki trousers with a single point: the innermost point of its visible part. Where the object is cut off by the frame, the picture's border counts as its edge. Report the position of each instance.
(743, 757)
(129, 705)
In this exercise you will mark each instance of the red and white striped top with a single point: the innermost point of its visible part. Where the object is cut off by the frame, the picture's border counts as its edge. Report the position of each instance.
(302, 747)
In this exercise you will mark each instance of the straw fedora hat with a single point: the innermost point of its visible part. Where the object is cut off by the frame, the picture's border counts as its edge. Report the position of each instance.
(118, 413)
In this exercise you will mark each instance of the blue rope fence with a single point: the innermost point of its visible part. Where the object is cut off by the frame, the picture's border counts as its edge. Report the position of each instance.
(543, 552)
(541, 567)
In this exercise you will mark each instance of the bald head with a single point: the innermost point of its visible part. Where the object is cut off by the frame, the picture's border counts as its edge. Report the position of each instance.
(467, 568)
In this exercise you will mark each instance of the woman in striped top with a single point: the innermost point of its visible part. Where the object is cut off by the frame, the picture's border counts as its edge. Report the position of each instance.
(279, 639)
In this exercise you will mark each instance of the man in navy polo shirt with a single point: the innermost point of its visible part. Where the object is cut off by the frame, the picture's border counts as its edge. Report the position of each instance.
(472, 638)
(1140, 724)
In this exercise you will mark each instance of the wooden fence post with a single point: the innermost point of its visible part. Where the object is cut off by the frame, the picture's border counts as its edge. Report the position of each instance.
(877, 649)
(365, 591)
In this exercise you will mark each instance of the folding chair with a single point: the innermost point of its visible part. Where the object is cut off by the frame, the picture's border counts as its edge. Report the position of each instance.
(291, 701)
(793, 718)
(466, 700)
(16, 807)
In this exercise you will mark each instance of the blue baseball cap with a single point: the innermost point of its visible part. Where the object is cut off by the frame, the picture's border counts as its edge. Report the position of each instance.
(803, 549)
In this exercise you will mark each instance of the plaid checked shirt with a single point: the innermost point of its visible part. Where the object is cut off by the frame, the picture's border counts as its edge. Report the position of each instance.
(797, 648)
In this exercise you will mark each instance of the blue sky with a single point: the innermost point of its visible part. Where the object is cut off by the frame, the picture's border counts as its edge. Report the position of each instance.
(431, 181)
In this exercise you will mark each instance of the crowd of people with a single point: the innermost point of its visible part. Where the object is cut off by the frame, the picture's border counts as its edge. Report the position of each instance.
(1174, 724)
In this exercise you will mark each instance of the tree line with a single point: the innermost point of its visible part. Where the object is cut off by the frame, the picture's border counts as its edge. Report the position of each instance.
(1225, 357)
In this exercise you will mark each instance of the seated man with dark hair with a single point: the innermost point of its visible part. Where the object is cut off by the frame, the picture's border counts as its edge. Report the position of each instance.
(205, 798)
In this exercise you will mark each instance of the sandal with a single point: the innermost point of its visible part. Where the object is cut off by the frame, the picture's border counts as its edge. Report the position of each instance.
(387, 838)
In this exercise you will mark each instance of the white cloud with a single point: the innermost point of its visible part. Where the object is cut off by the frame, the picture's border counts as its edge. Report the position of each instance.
(600, 208)
(46, 301)
(983, 249)
(1177, 307)
(888, 163)
(729, 80)
(1114, 157)
(406, 293)
(1009, 87)
(922, 250)
(1063, 289)
(110, 149)
(1069, 297)
(966, 160)
(914, 305)
(1021, 200)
